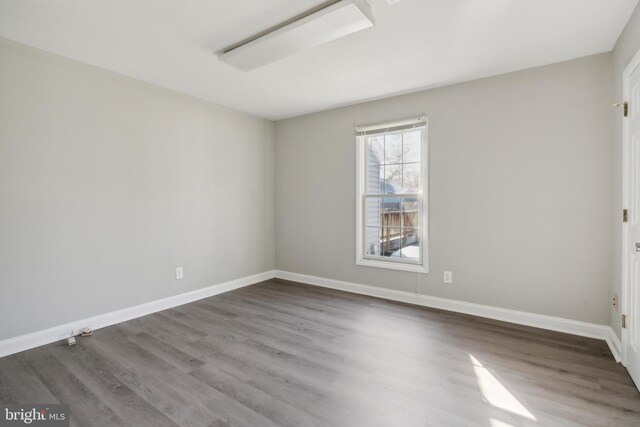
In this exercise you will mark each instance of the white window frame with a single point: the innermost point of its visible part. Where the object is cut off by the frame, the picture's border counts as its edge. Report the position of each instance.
(422, 266)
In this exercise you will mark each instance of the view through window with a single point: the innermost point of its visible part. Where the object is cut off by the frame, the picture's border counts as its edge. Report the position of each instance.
(392, 192)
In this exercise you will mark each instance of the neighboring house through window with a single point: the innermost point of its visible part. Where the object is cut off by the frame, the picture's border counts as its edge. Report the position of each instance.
(392, 201)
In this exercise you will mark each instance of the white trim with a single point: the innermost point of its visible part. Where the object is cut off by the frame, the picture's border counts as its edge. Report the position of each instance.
(361, 158)
(25, 342)
(574, 327)
(392, 265)
(633, 64)
(387, 125)
(614, 345)
(57, 333)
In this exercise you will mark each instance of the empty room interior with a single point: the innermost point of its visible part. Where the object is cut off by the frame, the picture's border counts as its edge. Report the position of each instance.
(320, 213)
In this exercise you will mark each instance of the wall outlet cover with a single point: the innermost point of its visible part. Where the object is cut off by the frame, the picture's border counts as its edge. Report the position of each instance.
(448, 277)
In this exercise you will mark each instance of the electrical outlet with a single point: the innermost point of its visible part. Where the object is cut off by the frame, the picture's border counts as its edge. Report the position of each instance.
(615, 301)
(179, 273)
(448, 277)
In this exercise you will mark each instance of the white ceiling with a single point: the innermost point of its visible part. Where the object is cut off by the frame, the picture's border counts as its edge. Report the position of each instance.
(415, 44)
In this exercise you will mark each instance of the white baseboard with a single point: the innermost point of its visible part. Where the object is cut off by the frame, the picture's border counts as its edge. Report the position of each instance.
(614, 345)
(575, 327)
(57, 333)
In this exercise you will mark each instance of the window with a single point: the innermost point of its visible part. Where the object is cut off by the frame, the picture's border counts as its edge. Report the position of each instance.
(391, 201)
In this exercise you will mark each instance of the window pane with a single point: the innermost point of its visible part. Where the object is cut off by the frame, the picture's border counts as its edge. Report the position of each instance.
(391, 212)
(392, 222)
(393, 148)
(375, 181)
(411, 147)
(375, 151)
(373, 239)
(410, 213)
(410, 250)
(375, 157)
(373, 212)
(411, 177)
(391, 241)
(393, 179)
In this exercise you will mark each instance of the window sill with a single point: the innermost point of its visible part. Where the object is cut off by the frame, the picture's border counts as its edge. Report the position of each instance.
(390, 265)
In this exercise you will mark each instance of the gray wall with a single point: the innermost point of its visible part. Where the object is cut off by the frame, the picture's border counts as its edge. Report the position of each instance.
(107, 184)
(626, 47)
(521, 188)
(106, 198)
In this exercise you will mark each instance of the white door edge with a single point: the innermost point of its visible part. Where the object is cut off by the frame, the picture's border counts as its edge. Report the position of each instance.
(625, 305)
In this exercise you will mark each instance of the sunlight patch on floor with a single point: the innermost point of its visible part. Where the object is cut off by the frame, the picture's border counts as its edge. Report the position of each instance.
(497, 394)
(498, 423)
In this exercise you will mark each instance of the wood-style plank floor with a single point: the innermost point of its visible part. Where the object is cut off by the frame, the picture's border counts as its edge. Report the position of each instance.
(283, 354)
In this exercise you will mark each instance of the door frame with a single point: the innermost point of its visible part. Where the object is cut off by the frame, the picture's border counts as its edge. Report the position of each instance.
(624, 302)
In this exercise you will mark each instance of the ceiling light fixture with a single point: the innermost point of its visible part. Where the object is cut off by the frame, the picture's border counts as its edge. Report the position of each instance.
(317, 27)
